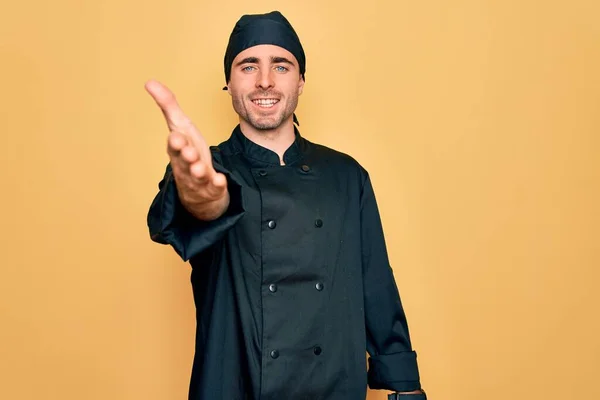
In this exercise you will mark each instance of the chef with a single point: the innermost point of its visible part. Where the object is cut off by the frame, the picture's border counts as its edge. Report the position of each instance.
(290, 273)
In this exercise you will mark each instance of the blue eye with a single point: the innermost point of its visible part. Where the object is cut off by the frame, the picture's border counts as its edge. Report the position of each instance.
(247, 69)
(281, 68)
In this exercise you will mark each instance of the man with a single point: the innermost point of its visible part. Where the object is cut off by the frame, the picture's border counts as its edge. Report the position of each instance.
(290, 272)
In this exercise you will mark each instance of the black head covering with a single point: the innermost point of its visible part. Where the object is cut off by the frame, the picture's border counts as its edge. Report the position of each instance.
(256, 29)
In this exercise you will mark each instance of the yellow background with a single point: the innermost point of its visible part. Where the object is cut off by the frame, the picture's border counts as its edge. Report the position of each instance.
(479, 122)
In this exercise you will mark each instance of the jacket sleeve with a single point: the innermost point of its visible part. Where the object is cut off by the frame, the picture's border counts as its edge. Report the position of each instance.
(392, 362)
(170, 223)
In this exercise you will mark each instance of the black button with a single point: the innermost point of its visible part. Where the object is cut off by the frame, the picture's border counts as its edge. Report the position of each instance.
(262, 172)
(319, 286)
(273, 287)
(274, 353)
(318, 223)
(317, 350)
(272, 224)
(305, 168)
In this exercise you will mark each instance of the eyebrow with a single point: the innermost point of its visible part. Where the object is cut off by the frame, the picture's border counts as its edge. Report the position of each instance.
(247, 60)
(255, 60)
(278, 60)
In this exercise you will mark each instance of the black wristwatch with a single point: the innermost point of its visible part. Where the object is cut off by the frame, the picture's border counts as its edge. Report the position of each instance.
(400, 396)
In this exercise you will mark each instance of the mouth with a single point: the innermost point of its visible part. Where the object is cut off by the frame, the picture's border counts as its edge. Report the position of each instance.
(265, 103)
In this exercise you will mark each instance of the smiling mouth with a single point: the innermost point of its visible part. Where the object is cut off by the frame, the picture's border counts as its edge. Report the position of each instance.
(265, 103)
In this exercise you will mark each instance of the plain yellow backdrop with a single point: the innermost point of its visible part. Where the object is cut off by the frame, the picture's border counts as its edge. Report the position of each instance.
(479, 122)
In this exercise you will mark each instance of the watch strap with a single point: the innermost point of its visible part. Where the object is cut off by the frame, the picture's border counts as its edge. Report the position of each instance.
(400, 396)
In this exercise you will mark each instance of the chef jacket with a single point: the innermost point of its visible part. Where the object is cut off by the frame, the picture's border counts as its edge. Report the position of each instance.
(292, 285)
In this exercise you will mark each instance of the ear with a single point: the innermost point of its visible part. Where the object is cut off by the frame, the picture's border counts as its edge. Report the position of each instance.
(300, 85)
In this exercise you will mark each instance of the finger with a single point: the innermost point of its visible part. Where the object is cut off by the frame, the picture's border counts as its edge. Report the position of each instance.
(199, 172)
(219, 181)
(167, 102)
(181, 169)
(189, 154)
(196, 140)
(176, 119)
(175, 143)
(217, 185)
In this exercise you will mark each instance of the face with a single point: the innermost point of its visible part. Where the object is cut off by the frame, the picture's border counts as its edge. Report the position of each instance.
(265, 84)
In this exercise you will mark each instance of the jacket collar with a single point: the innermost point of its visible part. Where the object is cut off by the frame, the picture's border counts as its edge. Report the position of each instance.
(260, 155)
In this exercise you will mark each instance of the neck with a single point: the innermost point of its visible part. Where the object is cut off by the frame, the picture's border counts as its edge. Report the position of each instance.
(277, 140)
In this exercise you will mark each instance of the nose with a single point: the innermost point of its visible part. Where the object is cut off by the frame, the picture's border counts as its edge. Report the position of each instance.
(264, 79)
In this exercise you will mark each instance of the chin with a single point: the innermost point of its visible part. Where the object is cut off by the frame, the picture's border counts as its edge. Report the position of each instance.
(265, 124)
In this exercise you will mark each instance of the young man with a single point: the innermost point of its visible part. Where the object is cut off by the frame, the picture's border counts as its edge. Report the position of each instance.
(290, 271)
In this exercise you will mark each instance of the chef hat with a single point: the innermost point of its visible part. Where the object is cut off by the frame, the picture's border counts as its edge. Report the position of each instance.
(255, 29)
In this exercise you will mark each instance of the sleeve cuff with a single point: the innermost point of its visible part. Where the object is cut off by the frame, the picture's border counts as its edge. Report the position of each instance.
(397, 372)
(170, 223)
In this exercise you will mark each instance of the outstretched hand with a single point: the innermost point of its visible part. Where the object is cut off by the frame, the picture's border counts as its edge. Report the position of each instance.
(202, 189)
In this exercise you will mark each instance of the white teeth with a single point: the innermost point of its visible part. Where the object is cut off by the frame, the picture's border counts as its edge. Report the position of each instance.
(265, 102)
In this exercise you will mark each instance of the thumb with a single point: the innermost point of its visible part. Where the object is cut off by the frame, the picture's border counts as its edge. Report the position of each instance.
(165, 99)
